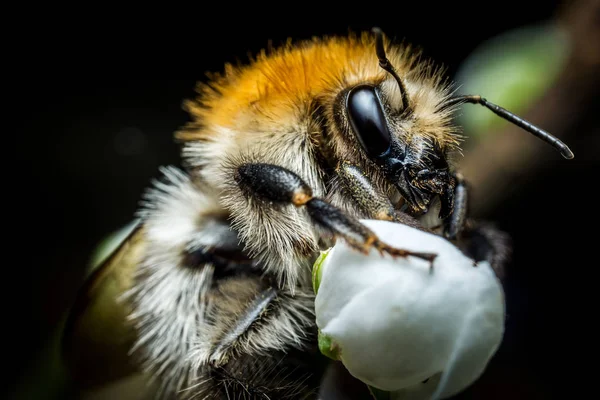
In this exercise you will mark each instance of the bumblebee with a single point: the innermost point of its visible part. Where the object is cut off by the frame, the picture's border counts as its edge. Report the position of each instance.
(211, 290)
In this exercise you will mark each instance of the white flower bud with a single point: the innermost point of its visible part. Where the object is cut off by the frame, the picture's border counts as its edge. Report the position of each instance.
(396, 323)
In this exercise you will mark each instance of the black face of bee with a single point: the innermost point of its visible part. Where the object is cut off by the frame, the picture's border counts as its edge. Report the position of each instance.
(418, 169)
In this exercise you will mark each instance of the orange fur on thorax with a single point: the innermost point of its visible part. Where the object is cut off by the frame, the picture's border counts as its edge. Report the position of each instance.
(277, 82)
(280, 86)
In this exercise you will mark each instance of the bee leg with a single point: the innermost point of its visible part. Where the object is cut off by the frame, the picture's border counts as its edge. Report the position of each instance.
(457, 202)
(226, 261)
(484, 242)
(229, 337)
(369, 198)
(257, 340)
(276, 184)
(477, 239)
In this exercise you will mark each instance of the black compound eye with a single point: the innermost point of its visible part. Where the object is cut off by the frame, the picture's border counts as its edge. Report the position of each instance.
(368, 121)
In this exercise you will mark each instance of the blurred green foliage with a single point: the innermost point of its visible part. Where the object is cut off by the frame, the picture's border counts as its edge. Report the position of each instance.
(512, 70)
(110, 244)
(49, 378)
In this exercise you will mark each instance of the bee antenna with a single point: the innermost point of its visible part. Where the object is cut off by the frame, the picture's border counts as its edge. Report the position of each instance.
(507, 115)
(387, 65)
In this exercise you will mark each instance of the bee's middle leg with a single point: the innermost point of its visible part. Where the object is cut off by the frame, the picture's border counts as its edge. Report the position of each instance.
(455, 222)
(276, 184)
(372, 201)
(478, 239)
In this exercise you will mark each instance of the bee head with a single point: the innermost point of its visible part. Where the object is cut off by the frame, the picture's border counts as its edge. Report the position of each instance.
(408, 139)
(415, 164)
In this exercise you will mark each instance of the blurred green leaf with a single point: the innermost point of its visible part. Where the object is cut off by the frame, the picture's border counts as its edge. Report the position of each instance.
(48, 378)
(107, 245)
(512, 70)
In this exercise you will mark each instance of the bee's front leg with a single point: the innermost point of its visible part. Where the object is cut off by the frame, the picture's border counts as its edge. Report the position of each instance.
(276, 184)
(482, 241)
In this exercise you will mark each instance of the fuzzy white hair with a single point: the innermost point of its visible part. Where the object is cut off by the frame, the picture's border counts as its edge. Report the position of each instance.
(167, 296)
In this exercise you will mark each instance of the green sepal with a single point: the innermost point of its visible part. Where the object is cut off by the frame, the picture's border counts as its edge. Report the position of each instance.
(317, 271)
(328, 347)
(513, 69)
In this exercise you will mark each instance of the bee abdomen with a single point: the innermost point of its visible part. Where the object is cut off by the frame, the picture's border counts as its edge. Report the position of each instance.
(278, 375)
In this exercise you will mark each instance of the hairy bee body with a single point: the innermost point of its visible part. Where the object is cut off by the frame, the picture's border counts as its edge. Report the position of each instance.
(283, 109)
(279, 163)
(205, 328)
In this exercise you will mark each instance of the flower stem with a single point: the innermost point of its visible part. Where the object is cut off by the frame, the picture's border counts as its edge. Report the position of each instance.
(379, 394)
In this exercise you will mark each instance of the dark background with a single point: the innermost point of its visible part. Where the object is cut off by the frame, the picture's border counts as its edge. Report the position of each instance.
(99, 94)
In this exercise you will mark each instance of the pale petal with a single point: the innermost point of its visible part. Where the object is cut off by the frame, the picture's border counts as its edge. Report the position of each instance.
(398, 323)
